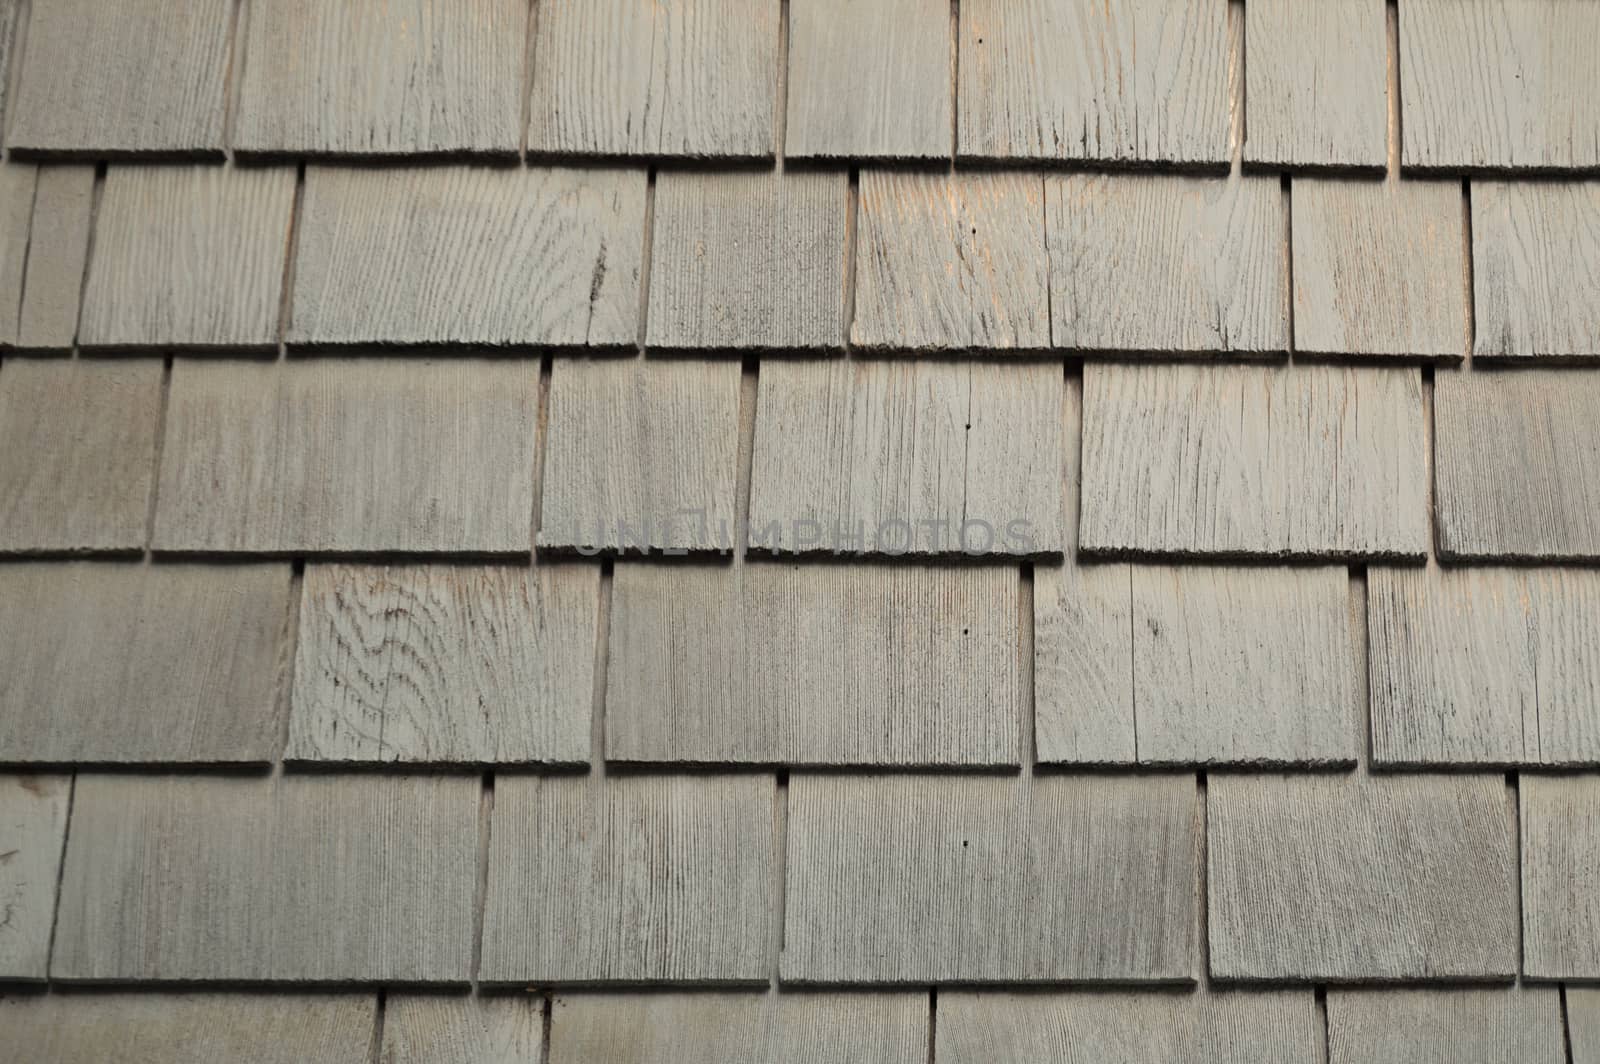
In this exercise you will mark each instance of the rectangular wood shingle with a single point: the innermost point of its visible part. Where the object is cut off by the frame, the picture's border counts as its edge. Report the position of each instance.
(62, 211)
(1536, 270)
(349, 456)
(1560, 892)
(33, 825)
(469, 255)
(445, 664)
(1083, 663)
(630, 879)
(307, 879)
(17, 183)
(1456, 1026)
(1583, 1023)
(439, 1029)
(924, 879)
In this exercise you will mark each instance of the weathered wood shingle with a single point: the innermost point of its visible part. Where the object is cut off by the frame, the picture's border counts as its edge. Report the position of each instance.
(1536, 269)
(1560, 887)
(1456, 1026)
(33, 825)
(1583, 1023)
(62, 209)
(430, 1029)
(17, 183)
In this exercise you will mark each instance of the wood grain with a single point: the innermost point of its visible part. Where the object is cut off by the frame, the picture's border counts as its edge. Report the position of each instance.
(33, 825)
(1361, 878)
(57, 257)
(188, 257)
(922, 879)
(127, 662)
(145, 77)
(1141, 263)
(342, 456)
(1083, 677)
(469, 255)
(77, 454)
(1378, 268)
(1536, 270)
(1499, 85)
(748, 260)
(1560, 891)
(427, 1029)
(445, 664)
(1583, 1023)
(951, 262)
(306, 879)
(17, 182)
(869, 80)
(1517, 474)
(673, 78)
(10, 50)
(406, 77)
(1457, 1026)
(630, 879)
(1144, 81)
(814, 664)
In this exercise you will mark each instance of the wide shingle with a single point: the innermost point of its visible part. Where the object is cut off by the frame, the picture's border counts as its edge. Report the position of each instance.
(62, 214)
(141, 77)
(469, 255)
(1302, 461)
(1560, 888)
(1139, 82)
(33, 825)
(1379, 268)
(343, 456)
(907, 457)
(1458, 1026)
(428, 1029)
(317, 879)
(1143, 263)
(631, 879)
(123, 663)
(1499, 85)
(17, 183)
(676, 78)
(1353, 879)
(951, 262)
(188, 257)
(445, 664)
(814, 664)
(404, 77)
(1517, 456)
(923, 879)
(1536, 269)
(641, 456)
(748, 260)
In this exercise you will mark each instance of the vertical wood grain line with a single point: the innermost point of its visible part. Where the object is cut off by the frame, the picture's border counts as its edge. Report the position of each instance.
(602, 662)
(61, 872)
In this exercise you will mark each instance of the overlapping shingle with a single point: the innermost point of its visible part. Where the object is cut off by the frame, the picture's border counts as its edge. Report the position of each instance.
(33, 825)
(1457, 1026)
(17, 181)
(62, 210)
(1536, 269)
(426, 1029)
(1560, 888)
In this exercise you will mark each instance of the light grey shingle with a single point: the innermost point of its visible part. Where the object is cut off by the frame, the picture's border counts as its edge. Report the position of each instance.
(17, 182)
(62, 213)
(1583, 1023)
(33, 824)
(1456, 1026)
(1536, 269)
(1560, 877)
(1083, 663)
(427, 1029)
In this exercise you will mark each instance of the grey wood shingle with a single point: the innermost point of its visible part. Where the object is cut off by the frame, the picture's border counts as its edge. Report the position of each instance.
(10, 41)
(631, 879)
(445, 664)
(428, 1029)
(1517, 464)
(469, 255)
(1361, 878)
(33, 825)
(1379, 268)
(1143, 263)
(17, 181)
(1083, 663)
(858, 1028)
(1129, 1028)
(62, 214)
(1315, 84)
(1536, 269)
(641, 455)
(1457, 1026)
(142, 77)
(406, 77)
(869, 80)
(188, 1027)
(77, 453)
(1499, 85)
(748, 260)
(125, 663)
(314, 879)
(814, 664)
(1139, 82)
(334, 455)
(951, 262)
(1304, 461)
(1583, 1023)
(924, 879)
(188, 257)
(907, 457)
(1560, 888)
(673, 78)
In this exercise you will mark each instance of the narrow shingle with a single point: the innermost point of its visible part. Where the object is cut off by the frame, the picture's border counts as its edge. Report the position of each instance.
(33, 824)
(1456, 1026)
(1536, 270)
(10, 50)
(61, 218)
(1083, 682)
(427, 1029)
(1560, 877)
(1583, 1023)
(17, 181)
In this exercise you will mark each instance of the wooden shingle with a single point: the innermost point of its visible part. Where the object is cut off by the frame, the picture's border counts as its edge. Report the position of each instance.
(748, 260)
(1583, 1023)
(17, 181)
(188, 257)
(951, 262)
(469, 255)
(62, 211)
(1144, 263)
(349, 456)
(1363, 878)
(406, 77)
(33, 825)
(1083, 663)
(691, 78)
(125, 663)
(1536, 270)
(630, 879)
(445, 664)
(1560, 887)
(924, 879)
(1456, 1026)
(309, 879)
(438, 1029)
(1144, 81)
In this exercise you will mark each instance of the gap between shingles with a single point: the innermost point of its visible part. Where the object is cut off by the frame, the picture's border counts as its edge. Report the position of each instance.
(1202, 879)
(1392, 73)
(852, 237)
(1287, 186)
(291, 251)
(27, 252)
(749, 390)
(780, 833)
(1236, 88)
(541, 445)
(375, 1048)
(546, 1019)
(1514, 785)
(1319, 996)
(233, 73)
(1470, 325)
(526, 104)
(61, 873)
(647, 250)
(1428, 464)
(481, 891)
(96, 193)
(602, 662)
(288, 644)
(933, 1023)
(1028, 752)
(1566, 1025)
(1361, 666)
(155, 469)
(780, 119)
